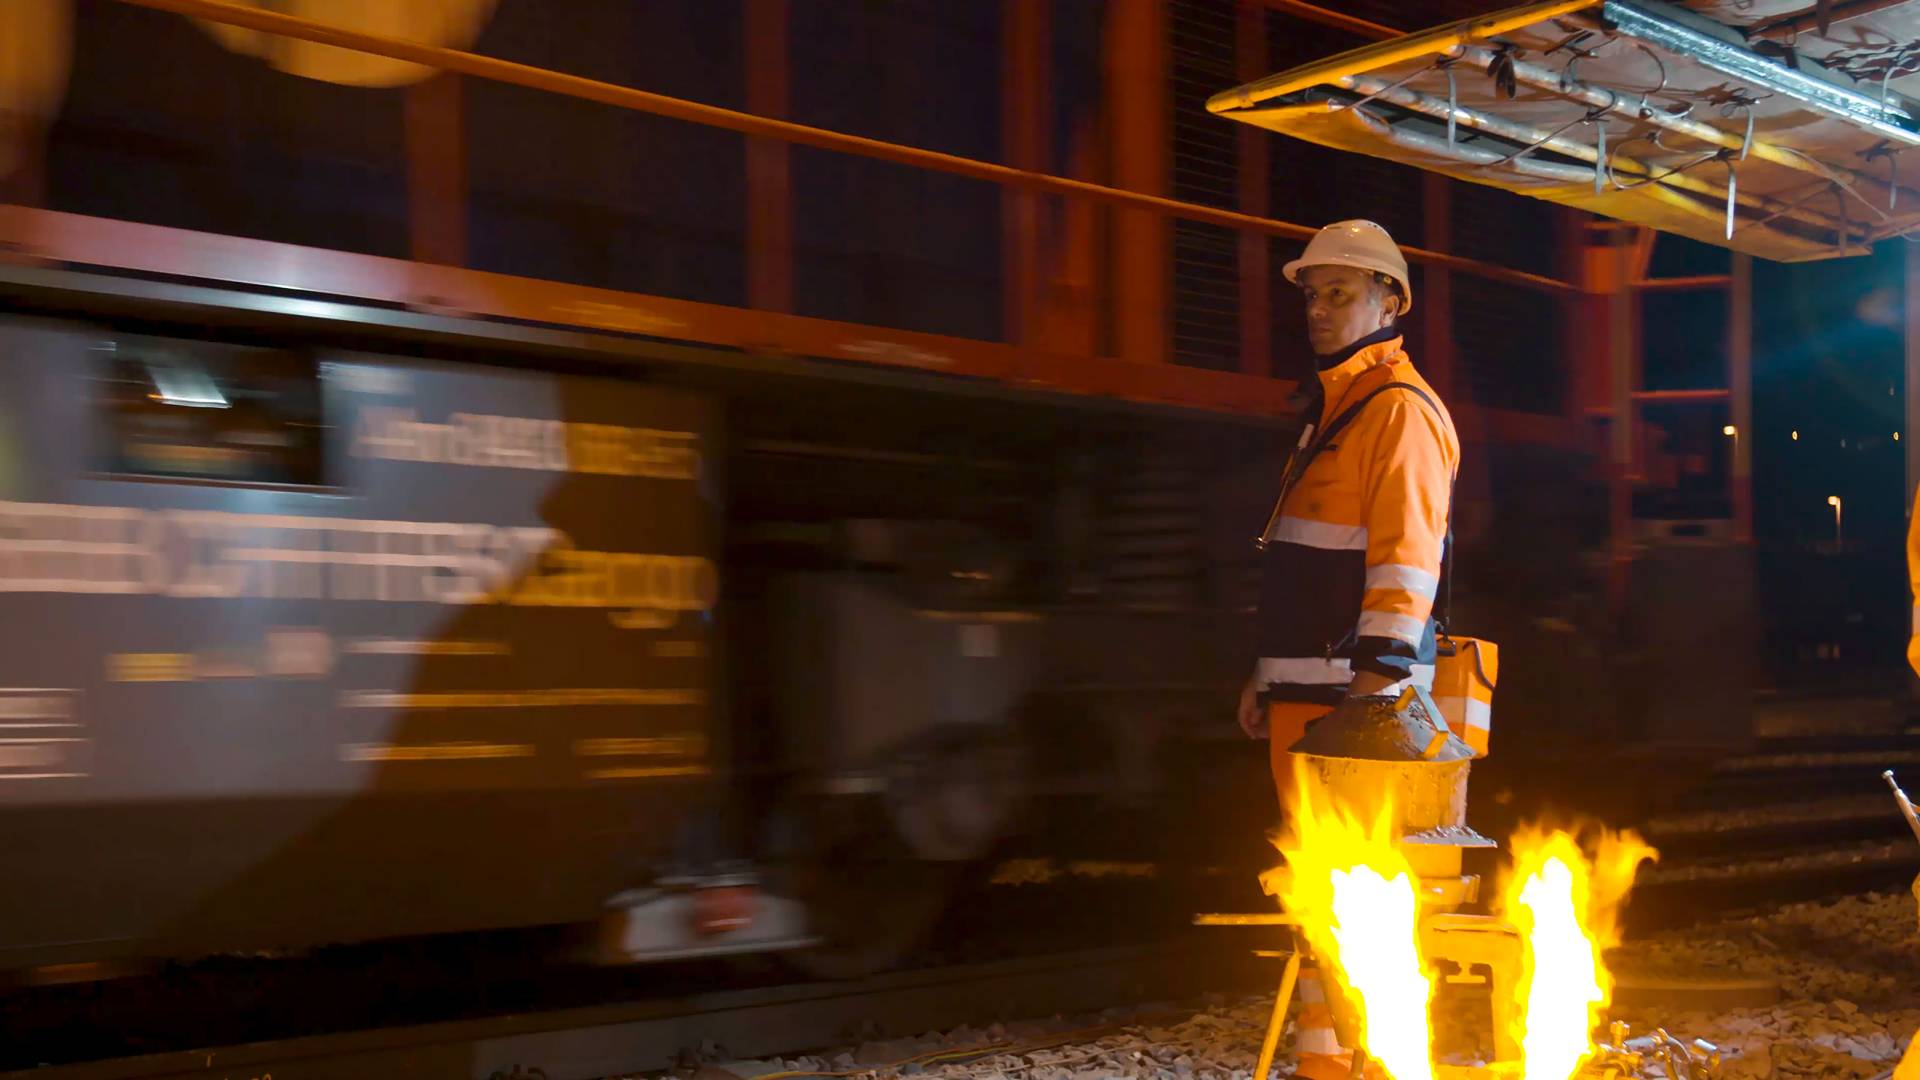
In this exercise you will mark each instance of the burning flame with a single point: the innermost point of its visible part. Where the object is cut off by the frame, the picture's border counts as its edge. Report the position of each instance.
(1566, 909)
(1354, 893)
(1357, 901)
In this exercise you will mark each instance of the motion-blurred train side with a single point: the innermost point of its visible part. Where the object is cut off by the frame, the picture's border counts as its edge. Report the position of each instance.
(309, 642)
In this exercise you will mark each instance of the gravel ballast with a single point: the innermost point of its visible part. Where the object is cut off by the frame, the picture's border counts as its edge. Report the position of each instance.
(1848, 972)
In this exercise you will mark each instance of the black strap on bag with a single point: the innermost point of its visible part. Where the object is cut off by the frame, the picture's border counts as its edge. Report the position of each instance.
(1311, 446)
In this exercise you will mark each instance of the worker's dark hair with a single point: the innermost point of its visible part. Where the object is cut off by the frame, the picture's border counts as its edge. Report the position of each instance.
(1391, 284)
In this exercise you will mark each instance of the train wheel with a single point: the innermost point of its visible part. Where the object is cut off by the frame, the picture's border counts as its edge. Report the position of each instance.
(869, 899)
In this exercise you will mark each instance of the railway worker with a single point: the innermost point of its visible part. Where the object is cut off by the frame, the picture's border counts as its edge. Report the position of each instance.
(1352, 551)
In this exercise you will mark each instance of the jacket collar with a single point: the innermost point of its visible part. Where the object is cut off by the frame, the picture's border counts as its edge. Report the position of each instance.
(1338, 379)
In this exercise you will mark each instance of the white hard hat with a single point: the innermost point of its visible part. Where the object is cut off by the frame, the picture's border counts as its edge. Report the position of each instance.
(1359, 244)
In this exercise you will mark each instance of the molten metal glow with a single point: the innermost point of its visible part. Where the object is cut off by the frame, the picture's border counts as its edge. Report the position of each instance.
(1566, 908)
(1354, 894)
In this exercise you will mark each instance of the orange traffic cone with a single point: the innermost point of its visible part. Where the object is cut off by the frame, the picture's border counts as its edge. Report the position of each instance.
(1315, 1042)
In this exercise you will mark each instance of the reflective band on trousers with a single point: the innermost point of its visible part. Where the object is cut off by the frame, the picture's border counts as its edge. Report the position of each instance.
(1319, 534)
(1326, 671)
(1389, 625)
(1400, 576)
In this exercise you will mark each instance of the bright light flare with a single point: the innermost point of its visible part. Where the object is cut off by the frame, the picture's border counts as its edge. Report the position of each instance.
(1566, 907)
(1354, 893)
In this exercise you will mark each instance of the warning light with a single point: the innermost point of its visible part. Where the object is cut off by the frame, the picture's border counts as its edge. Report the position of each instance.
(1796, 436)
(1729, 430)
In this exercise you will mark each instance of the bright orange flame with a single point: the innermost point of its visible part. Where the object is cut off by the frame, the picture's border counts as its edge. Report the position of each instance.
(1356, 897)
(1566, 908)
(1354, 894)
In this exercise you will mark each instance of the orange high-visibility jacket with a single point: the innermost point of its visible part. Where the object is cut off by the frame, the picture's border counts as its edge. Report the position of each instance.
(1913, 580)
(1353, 556)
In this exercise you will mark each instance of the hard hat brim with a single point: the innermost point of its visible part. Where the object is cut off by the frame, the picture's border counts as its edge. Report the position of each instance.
(1291, 271)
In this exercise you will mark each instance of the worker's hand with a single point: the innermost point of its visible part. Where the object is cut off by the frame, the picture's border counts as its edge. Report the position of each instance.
(1253, 719)
(1367, 684)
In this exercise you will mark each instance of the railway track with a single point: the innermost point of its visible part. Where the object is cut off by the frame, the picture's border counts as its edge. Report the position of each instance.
(1805, 815)
(618, 1039)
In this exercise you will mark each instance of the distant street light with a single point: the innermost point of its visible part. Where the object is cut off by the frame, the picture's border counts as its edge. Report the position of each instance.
(1838, 537)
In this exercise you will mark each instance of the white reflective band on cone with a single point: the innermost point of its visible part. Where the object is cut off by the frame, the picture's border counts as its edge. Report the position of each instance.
(1916, 618)
(1315, 1034)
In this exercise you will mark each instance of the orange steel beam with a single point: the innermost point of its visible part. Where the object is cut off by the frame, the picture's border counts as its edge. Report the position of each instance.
(1255, 252)
(769, 164)
(154, 249)
(1680, 397)
(1137, 94)
(182, 253)
(1023, 123)
(624, 97)
(1338, 19)
(1684, 284)
(436, 171)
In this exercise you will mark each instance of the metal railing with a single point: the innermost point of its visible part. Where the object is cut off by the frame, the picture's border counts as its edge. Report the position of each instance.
(156, 249)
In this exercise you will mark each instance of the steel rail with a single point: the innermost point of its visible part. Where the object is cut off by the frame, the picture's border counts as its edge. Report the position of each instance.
(646, 1036)
(626, 97)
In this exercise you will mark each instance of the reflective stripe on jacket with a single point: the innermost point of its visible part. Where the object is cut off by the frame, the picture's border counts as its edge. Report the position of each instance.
(1353, 558)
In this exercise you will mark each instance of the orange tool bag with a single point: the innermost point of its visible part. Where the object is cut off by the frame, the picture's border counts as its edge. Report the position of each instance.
(1464, 672)
(1465, 669)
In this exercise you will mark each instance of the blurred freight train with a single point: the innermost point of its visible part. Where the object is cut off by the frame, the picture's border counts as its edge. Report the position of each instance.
(310, 642)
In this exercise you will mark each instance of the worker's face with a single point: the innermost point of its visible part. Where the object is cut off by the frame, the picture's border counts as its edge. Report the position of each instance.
(1343, 306)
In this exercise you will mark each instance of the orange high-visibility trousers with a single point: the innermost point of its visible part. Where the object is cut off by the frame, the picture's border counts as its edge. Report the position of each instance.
(1286, 722)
